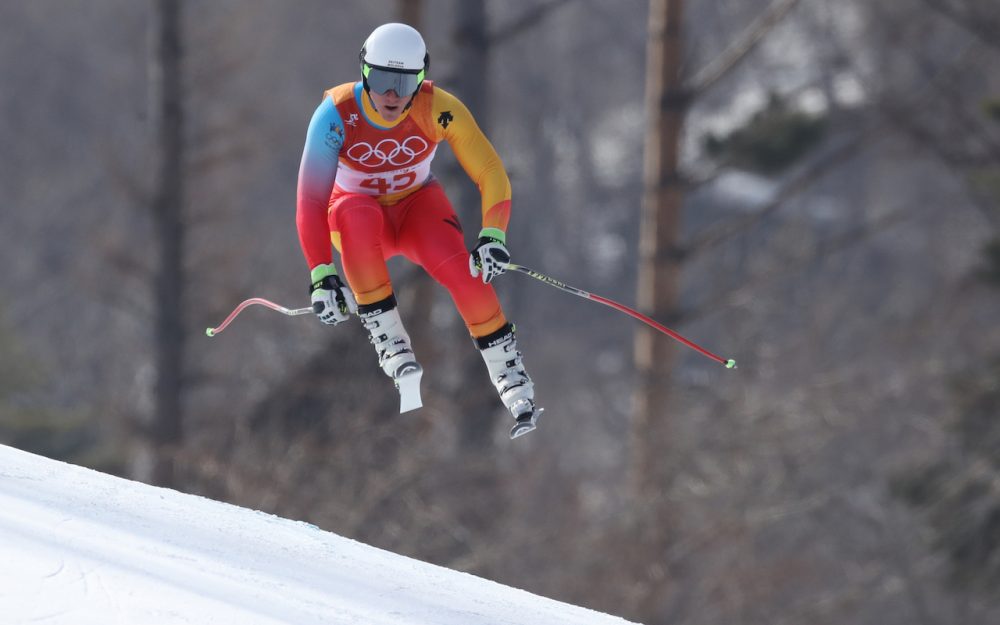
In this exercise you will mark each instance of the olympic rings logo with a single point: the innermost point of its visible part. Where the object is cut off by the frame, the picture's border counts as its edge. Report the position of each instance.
(387, 151)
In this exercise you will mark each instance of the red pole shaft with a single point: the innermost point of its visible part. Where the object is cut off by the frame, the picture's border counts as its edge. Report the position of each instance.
(729, 364)
(659, 326)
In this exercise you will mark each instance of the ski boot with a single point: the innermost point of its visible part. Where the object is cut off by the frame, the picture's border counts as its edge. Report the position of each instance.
(517, 391)
(392, 344)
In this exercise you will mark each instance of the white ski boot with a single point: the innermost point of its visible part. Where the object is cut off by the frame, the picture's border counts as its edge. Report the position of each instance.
(392, 344)
(517, 391)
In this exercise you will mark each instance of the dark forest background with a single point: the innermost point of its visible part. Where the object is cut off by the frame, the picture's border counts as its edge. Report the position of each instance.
(809, 187)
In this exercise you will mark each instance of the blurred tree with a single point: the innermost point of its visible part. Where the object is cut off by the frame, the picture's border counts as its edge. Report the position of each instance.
(770, 141)
(411, 12)
(26, 422)
(659, 272)
(987, 180)
(194, 156)
(473, 396)
(160, 437)
(959, 494)
(659, 244)
(979, 17)
(990, 271)
(992, 109)
(669, 95)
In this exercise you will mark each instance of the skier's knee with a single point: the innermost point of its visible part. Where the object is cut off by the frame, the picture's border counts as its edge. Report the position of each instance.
(359, 217)
(453, 272)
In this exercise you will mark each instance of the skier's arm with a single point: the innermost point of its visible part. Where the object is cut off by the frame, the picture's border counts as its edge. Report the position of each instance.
(317, 173)
(478, 158)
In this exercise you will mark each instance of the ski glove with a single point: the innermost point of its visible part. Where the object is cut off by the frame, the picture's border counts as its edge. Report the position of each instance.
(490, 256)
(332, 301)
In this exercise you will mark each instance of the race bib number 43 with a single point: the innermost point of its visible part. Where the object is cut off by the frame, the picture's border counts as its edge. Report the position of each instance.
(383, 185)
(405, 164)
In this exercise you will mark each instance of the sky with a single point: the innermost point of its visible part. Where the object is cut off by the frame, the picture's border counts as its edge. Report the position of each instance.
(79, 547)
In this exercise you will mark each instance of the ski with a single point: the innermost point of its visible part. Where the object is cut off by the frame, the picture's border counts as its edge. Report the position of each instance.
(526, 423)
(407, 382)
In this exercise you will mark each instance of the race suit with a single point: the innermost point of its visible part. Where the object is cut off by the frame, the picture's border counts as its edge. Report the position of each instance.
(365, 185)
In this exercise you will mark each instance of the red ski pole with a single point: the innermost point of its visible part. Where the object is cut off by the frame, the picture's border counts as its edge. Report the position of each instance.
(250, 302)
(728, 363)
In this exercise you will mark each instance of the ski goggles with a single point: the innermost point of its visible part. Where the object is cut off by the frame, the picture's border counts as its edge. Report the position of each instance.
(403, 82)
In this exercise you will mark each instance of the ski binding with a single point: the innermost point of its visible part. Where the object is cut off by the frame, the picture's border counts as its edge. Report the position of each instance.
(525, 423)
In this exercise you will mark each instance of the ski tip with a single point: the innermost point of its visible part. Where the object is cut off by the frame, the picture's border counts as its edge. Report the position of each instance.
(730, 364)
(408, 384)
(209, 332)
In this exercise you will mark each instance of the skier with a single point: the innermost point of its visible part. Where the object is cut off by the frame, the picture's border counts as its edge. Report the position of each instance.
(365, 185)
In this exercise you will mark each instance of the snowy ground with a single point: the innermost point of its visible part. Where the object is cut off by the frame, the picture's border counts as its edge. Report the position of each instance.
(78, 547)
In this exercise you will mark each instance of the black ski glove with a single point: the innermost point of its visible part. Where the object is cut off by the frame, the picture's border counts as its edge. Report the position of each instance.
(490, 256)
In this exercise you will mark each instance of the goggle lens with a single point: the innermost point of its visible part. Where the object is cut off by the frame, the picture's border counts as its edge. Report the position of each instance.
(382, 81)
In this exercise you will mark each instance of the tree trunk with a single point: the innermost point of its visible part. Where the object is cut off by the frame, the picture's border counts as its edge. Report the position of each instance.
(657, 296)
(164, 433)
(477, 402)
(410, 12)
(660, 255)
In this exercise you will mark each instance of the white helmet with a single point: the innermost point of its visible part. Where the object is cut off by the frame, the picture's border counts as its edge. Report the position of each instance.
(395, 46)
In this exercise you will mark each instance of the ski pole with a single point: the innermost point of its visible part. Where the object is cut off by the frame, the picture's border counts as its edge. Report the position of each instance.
(250, 302)
(728, 363)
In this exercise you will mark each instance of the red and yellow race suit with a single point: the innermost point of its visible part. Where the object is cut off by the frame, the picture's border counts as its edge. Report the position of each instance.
(365, 185)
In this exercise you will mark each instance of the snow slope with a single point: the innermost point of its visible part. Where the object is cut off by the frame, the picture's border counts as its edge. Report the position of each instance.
(78, 547)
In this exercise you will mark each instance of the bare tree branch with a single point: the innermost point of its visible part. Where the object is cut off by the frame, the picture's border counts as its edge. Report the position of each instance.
(865, 137)
(985, 30)
(818, 169)
(732, 56)
(525, 21)
(861, 233)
